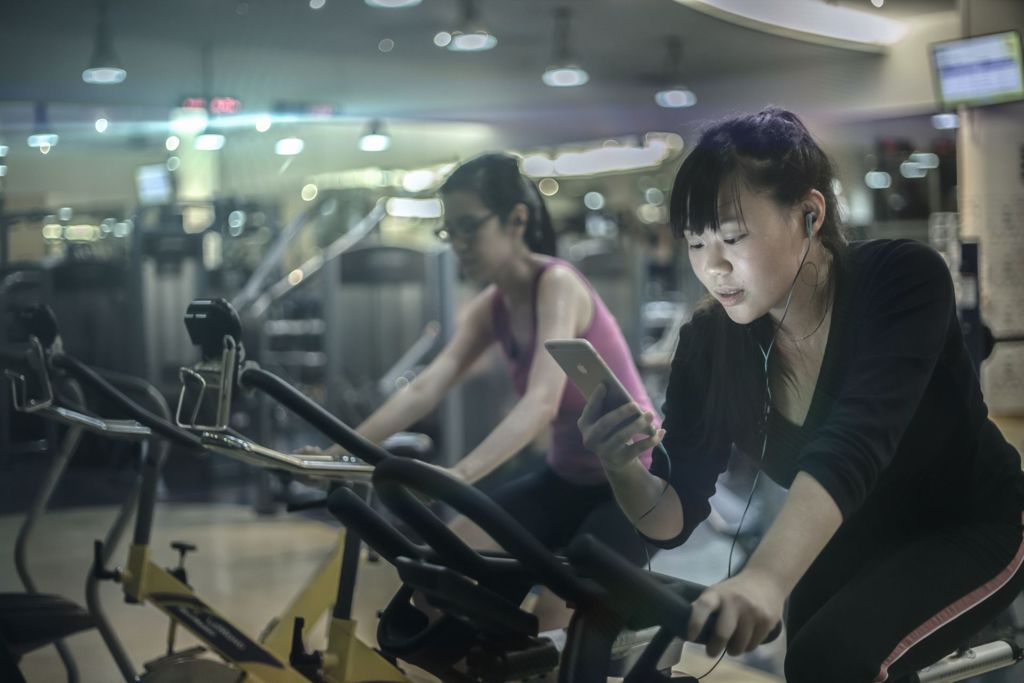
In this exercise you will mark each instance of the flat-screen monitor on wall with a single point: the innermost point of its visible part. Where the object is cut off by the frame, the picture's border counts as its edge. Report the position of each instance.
(980, 70)
(154, 185)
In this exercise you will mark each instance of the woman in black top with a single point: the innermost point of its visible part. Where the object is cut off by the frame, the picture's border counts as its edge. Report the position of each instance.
(841, 371)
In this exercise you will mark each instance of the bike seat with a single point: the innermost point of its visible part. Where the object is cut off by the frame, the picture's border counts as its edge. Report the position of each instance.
(31, 620)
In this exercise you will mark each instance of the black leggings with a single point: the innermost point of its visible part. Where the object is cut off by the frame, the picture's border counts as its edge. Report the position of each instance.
(878, 609)
(556, 511)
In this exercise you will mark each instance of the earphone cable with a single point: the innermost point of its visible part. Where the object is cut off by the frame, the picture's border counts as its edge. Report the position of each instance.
(764, 427)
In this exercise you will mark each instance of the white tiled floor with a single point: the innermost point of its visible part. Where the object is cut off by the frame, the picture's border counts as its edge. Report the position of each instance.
(248, 567)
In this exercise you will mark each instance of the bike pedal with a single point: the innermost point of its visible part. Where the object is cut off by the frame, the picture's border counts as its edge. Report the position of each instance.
(175, 658)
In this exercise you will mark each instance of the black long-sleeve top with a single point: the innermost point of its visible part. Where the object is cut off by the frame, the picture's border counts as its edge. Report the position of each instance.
(897, 423)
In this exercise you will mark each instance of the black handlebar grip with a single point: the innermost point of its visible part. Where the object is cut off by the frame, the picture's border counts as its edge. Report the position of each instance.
(620, 577)
(705, 632)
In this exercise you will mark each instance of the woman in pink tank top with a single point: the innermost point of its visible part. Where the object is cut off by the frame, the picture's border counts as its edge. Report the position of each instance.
(496, 222)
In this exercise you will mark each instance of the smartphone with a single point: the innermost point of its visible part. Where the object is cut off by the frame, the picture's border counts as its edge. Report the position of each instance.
(587, 370)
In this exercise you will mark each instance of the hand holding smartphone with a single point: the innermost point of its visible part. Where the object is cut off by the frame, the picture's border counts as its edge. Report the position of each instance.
(587, 370)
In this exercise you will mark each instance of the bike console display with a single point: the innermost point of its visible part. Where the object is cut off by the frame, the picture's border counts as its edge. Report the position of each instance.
(214, 326)
(208, 322)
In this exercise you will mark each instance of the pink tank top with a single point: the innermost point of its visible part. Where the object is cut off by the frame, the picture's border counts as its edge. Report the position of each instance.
(567, 456)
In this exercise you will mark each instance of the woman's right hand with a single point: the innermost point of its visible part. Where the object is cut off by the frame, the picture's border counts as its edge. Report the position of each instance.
(611, 436)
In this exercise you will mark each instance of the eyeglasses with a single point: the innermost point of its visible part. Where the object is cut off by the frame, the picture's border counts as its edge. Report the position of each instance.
(465, 229)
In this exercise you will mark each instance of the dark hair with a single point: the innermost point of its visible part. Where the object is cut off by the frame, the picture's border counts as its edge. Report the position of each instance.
(770, 151)
(495, 178)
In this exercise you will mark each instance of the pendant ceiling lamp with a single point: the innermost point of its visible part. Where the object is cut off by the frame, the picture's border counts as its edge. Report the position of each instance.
(564, 72)
(209, 140)
(43, 137)
(104, 67)
(674, 95)
(375, 139)
(471, 35)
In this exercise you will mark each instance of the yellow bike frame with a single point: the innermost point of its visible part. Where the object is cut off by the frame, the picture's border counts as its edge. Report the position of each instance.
(346, 660)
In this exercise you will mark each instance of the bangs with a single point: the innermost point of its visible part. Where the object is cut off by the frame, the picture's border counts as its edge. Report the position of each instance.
(770, 151)
(708, 179)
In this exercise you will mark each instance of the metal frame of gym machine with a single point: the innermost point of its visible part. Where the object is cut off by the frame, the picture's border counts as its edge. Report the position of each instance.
(270, 660)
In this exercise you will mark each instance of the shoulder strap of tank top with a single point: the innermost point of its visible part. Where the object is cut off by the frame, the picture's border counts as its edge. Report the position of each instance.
(499, 313)
(536, 285)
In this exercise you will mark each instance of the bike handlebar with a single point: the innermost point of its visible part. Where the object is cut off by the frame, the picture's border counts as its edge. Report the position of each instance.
(395, 479)
(303, 406)
(254, 454)
(92, 379)
(631, 589)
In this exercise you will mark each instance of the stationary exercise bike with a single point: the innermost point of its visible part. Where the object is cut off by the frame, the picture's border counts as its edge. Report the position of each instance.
(28, 621)
(627, 594)
(601, 617)
(31, 619)
(481, 636)
(274, 657)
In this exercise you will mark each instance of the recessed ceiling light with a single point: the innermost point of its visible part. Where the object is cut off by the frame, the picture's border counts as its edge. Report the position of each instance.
(289, 147)
(209, 142)
(877, 180)
(946, 121)
(548, 186)
(926, 160)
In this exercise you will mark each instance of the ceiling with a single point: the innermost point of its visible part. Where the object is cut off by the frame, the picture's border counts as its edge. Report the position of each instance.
(438, 106)
(266, 51)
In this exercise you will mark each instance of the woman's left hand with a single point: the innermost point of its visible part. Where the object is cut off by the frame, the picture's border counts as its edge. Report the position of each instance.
(749, 605)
